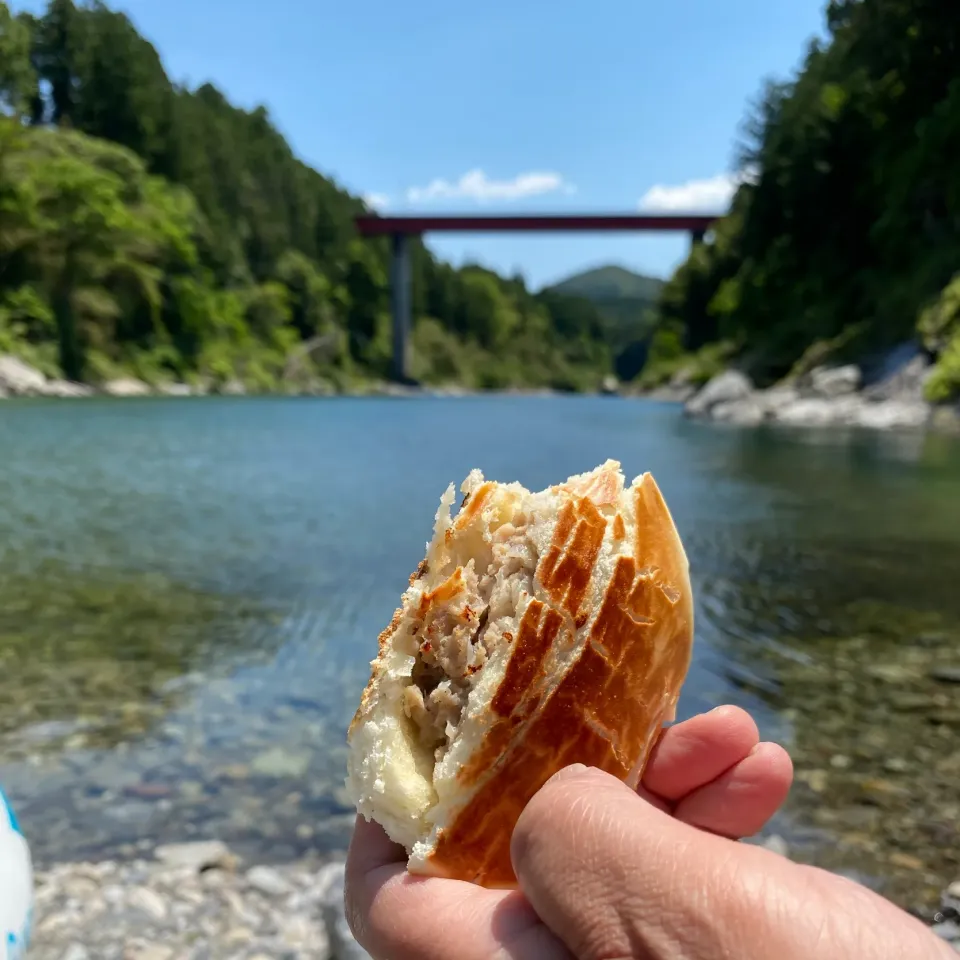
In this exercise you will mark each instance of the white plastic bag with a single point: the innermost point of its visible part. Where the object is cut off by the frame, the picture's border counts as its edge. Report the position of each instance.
(16, 886)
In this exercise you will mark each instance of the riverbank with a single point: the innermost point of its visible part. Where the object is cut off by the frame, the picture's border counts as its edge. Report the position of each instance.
(843, 396)
(198, 901)
(191, 901)
(19, 379)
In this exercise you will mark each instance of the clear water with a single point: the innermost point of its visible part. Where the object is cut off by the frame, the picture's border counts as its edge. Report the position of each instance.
(191, 590)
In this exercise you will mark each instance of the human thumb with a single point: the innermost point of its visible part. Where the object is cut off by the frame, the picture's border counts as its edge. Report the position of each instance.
(613, 876)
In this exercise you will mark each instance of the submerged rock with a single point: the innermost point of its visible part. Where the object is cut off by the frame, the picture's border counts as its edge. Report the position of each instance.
(278, 763)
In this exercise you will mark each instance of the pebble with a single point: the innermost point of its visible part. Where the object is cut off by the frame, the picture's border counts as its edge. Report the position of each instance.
(947, 930)
(188, 903)
(196, 856)
(776, 844)
(267, 881)
(148, 902)
(946, 674)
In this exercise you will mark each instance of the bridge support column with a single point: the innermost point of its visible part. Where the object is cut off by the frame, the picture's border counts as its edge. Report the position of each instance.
(400, 303)
(696, 237)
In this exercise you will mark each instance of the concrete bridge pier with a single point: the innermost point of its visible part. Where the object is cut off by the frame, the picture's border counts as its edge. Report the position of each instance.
(400, 304)
(401, 229)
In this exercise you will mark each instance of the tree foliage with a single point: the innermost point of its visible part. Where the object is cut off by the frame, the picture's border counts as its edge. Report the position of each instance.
(159, 230)
(848, 225)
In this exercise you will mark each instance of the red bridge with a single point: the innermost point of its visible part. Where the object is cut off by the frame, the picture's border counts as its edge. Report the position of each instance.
(400, 228)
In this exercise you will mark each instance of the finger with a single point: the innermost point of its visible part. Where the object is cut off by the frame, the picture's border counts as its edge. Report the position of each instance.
(396, 916)
(614, 877)
(694, 752)
(597, 863)
(370, 847)
(742, 799)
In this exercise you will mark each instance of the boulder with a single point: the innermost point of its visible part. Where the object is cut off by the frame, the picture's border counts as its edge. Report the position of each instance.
(904, 383)
(893, 414)
(126, 387)
(815, 412)
(66, 388)
(19, 379)
(176, 389)
(776, 398)
(747, 412)
(610, 385)
(233, 388)
(830, 382)
(724, 388)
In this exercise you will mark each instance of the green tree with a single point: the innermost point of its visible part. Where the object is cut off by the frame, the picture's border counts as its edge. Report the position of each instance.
(160, 230)
(18, 81)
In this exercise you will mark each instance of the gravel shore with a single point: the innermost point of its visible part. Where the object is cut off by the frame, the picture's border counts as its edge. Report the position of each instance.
(197, 902)
(193, 902)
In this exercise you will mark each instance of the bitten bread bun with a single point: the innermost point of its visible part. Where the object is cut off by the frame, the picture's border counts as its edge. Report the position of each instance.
(541, 629)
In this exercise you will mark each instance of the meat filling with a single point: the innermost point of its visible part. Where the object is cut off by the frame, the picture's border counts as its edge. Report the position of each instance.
(456, 639)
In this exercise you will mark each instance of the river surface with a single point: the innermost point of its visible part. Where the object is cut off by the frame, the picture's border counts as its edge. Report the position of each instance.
(191, 590)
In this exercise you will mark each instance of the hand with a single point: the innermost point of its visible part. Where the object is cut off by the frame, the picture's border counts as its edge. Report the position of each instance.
(710, 772)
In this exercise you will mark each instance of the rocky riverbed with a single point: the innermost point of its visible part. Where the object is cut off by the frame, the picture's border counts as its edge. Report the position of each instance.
(198, 902)
(192, 902)
(19, 379)
(844, 396)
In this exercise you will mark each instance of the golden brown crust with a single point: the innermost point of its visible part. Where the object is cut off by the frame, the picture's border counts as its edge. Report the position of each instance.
(472, 505)
(565, 570)
(520, 692)
(369, 691)
(609, 704)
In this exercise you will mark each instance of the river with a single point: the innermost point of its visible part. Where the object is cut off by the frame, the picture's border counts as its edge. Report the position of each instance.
(191, 591)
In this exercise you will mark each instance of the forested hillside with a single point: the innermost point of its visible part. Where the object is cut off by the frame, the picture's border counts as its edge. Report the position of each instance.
(150, 229)
(625, 301)
(847, 238)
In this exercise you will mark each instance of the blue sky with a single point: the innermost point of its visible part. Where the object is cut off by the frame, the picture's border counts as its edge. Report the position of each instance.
(508, 105)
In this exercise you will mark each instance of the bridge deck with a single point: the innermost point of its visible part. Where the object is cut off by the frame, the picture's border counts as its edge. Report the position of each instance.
(373, 225)
(400, 229)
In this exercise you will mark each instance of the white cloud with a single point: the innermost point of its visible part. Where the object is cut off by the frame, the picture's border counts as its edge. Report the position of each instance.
(709, 195)
(376, 201)
(476, 185)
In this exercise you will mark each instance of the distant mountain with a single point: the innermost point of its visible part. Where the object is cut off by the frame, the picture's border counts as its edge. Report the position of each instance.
(625, 301)
(604, 284)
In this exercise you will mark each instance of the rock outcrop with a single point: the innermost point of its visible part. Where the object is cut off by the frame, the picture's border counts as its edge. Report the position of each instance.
(126, 387)
(19, 379)
(826, 396)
